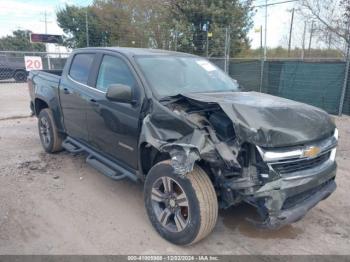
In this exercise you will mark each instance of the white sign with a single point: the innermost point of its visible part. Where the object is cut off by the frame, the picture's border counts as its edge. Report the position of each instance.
(33, 63)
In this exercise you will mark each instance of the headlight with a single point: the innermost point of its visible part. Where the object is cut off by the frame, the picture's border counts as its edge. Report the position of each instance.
(334, 150)
(336, 133)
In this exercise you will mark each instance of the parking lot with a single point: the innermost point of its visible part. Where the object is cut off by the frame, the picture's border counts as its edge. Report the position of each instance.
(57, 204)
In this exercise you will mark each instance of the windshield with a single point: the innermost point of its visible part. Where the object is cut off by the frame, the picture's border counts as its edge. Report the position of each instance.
(173, 75)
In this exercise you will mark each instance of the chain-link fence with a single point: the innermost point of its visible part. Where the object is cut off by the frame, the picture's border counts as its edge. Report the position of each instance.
(13, 69)
(318, 82)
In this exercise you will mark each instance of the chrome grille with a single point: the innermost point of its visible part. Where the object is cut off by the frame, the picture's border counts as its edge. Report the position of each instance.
(300, 165)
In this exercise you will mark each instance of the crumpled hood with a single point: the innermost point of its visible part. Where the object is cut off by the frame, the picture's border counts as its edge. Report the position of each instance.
(270, 121)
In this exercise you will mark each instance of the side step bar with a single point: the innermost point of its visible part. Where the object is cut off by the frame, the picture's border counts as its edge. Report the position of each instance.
(71, 147)
(99, 162)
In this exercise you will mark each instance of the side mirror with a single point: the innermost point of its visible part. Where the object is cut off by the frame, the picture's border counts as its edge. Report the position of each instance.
(120, 93)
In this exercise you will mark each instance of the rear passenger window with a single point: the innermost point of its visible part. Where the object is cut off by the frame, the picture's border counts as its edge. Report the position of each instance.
(80, 68)
(114, 70)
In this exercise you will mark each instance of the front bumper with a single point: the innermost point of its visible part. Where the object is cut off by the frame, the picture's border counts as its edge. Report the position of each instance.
(286, 200)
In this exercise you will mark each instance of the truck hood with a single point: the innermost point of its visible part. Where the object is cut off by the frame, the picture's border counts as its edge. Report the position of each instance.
(270, 121)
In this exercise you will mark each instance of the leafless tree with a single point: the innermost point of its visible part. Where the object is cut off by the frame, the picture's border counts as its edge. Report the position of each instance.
(331, 19)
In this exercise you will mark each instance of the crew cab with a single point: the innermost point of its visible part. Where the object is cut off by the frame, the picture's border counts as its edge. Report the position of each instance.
(186, 130)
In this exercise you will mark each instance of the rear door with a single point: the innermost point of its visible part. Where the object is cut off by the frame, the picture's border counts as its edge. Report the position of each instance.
(74, 95)
(113, 126)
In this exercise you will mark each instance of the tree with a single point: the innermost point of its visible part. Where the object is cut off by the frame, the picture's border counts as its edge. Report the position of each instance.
(20, 41)
(331, 18)
(194, 19)
(166, 24)
(138, 23)
(72, 20)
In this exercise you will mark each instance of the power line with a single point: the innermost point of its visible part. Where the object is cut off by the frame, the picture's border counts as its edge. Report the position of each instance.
(277, 3)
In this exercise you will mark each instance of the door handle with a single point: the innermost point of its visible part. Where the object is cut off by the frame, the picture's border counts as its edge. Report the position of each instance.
(66, 91)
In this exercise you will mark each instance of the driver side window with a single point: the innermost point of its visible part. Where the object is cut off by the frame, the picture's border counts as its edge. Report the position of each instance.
(113, 70)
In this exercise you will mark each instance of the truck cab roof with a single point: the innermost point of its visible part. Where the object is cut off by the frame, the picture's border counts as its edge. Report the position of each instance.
(130, 52)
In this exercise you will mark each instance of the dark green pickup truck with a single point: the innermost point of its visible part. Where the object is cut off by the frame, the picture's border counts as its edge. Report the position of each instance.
(186, 130)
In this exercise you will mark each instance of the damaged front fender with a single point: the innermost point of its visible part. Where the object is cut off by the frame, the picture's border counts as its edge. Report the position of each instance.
(171, 133)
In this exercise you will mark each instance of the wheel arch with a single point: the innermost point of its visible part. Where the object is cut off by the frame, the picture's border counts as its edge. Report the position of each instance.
(39, 104)
(149, 156)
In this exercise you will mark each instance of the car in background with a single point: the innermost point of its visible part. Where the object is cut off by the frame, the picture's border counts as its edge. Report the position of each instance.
(12, 67)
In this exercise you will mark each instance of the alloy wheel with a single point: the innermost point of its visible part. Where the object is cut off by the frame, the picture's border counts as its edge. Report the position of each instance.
(45, 134)
(170, 204)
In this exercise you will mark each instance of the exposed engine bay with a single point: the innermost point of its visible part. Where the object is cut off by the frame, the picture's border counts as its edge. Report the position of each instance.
(233, 140)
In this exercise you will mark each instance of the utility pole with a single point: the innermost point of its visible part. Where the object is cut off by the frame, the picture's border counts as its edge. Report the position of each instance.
(264, 51)
(45, 19)
(87, 26)
(228, 48)
(226, 38)
(265, 6)
(311, 35)
(347, 69)
(175, 40)
(262, 60)
(303, 43)
(290, 32)
(207, 51)
(261, 42)
(265, 44)
(47, 45)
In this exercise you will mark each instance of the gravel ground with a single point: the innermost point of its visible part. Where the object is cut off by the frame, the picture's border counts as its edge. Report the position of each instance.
(57, 204)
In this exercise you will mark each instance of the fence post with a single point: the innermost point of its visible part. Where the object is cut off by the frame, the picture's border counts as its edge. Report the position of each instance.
(262, 58)
(261, 74)
(48, 61)
(346, 80)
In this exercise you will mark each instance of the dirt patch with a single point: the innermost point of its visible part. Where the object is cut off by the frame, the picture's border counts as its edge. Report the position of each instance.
(42, 165)
(57, 204)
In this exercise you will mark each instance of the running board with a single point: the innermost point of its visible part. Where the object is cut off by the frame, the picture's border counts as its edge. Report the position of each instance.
(99, 162)
(71, 146)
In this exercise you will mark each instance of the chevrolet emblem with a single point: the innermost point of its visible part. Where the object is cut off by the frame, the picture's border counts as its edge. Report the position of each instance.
(311, 152)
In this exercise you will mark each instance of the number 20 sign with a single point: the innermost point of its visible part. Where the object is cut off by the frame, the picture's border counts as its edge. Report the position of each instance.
(33, 63)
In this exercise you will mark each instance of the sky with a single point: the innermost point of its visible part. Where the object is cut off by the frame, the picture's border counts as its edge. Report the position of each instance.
(278, 23)
(29, 14)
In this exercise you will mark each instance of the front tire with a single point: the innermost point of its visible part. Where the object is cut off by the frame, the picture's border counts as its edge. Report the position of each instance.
(182, 210)
(51, 139)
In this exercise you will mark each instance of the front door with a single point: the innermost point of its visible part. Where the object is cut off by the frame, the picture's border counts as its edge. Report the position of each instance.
(113, 126)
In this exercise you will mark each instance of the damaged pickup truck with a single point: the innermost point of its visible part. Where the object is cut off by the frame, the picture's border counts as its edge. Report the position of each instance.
(185, 129)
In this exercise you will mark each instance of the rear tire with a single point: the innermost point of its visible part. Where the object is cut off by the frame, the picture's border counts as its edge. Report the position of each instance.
(51, 139)
(20, 76)
(194, 198)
